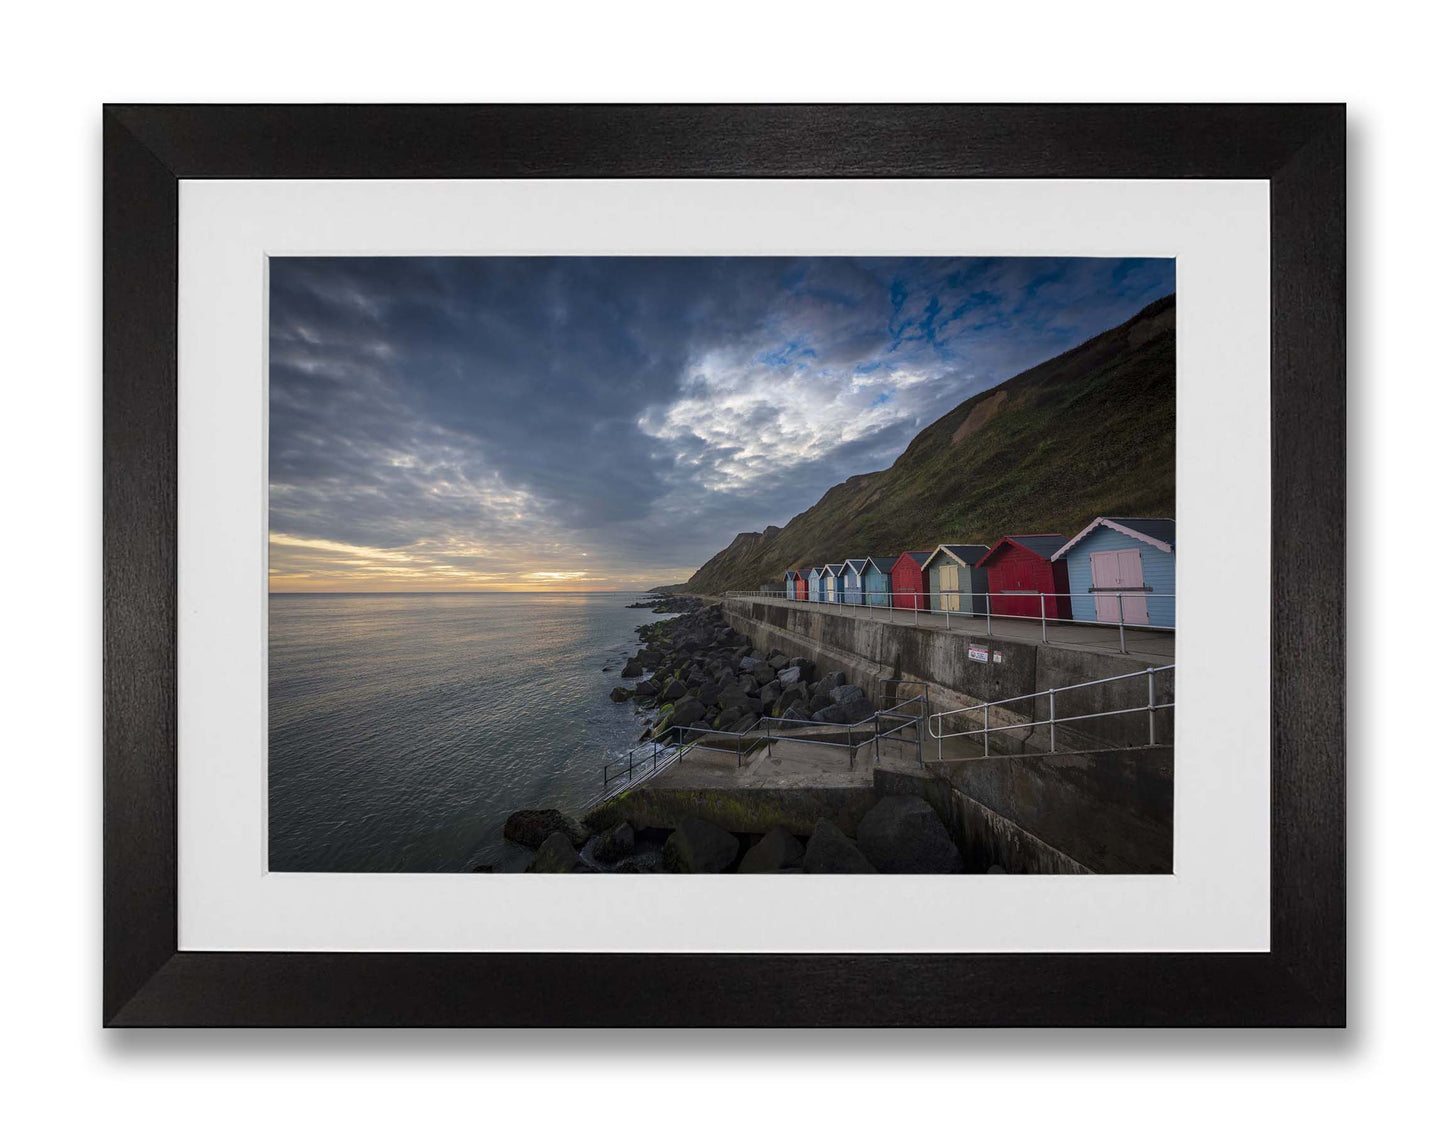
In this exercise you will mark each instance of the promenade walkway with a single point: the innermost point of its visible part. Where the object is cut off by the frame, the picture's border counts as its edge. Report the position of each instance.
(1098, 638)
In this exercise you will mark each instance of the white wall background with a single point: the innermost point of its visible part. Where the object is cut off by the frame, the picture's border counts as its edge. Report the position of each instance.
(62, 62)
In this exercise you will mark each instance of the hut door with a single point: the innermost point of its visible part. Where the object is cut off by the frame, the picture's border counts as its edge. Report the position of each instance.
(1114, 572)
(948, 587)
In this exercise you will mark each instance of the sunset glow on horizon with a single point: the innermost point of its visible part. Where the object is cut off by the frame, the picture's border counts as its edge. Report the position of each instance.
(608, 424)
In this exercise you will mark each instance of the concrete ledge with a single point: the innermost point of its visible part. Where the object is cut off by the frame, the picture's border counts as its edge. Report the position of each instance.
(740, 810)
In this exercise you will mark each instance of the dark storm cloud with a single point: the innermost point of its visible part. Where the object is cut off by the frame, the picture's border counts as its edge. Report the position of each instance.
(518, 421)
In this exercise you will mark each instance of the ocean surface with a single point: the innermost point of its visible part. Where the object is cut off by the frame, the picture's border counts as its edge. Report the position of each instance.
(405, 728)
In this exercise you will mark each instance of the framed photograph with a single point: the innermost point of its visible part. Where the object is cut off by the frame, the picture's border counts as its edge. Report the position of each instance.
(724, 565)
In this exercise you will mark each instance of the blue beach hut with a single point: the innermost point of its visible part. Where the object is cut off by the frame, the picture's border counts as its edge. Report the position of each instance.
(790, 583)
(877, 581)
(815, 584)
(833, 583)
(852, 581)
(1127, 565)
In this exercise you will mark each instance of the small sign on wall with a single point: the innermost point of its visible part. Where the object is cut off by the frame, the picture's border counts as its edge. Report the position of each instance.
(978, 653)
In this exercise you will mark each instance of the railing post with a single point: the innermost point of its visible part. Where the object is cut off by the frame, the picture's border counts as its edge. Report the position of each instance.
(1122, 648)
(876, 730)
(988, 611)
(629, 762)
(985, 731)
(1043, 622)
(1051, 720)
(1151, 706)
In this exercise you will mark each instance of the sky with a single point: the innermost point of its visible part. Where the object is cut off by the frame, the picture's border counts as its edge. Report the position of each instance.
(531, 424)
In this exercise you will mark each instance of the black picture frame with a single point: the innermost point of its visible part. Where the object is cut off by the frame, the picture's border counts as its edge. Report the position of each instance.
(1299, 149)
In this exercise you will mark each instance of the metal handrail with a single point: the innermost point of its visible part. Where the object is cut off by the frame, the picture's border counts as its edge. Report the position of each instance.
(658, 758)
(989, 614)
(936, 732)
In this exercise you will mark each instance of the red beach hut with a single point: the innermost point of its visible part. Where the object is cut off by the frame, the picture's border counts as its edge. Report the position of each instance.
(1020, 570)
(910, 592)
(800, 584)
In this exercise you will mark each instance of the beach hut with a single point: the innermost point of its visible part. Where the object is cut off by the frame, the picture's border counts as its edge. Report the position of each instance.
(800, 584)
(907, 581)
(1022, 568)
(833, 583)
(953, 579)
(852, 581)
(815, 584)
(1127, 564)
(877, 586)
(790, 584)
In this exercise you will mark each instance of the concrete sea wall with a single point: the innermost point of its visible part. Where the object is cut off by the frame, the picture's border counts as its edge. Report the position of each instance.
(1099, 812)
(868, 650)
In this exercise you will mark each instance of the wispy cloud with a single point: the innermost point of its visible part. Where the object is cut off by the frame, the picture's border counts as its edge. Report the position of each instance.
(515, 423)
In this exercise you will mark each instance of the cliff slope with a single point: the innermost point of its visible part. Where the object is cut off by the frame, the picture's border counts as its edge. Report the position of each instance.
(1088, 433)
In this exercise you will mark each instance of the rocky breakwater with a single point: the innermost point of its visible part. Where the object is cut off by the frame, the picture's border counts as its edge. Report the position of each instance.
(900, 834)
(667, 604)
(696, 671)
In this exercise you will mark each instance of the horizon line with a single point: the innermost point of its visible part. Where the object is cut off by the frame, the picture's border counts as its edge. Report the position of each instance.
(474, 591)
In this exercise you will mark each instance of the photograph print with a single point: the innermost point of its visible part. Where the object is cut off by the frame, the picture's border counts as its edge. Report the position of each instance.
(656, 565)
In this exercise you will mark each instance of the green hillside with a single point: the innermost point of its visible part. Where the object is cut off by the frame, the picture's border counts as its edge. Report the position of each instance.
(1088, 433)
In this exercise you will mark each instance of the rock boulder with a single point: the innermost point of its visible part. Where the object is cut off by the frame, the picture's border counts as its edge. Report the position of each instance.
(903, 834)
(830, 851)
(699, 847)
(615, 844)
(688, 713)
(555, 855)
(778, 850)
(532, 827)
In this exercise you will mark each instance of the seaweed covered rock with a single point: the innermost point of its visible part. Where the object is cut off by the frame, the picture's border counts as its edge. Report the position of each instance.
(555, 855)
(615, 844)
(532, 827)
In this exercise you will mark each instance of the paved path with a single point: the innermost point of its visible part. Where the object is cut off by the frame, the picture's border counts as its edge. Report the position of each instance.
(1099, 639)
(793, 763)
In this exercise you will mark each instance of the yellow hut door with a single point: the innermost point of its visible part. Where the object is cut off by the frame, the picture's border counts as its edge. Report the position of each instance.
(948, 587)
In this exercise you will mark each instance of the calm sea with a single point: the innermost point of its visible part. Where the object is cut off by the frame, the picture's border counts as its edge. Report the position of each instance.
(405, 728)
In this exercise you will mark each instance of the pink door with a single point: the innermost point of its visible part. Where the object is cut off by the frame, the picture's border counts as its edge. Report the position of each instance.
(1114, 572)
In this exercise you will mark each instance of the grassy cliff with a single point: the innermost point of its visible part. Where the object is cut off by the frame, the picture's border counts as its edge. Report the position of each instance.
(1088, 433)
